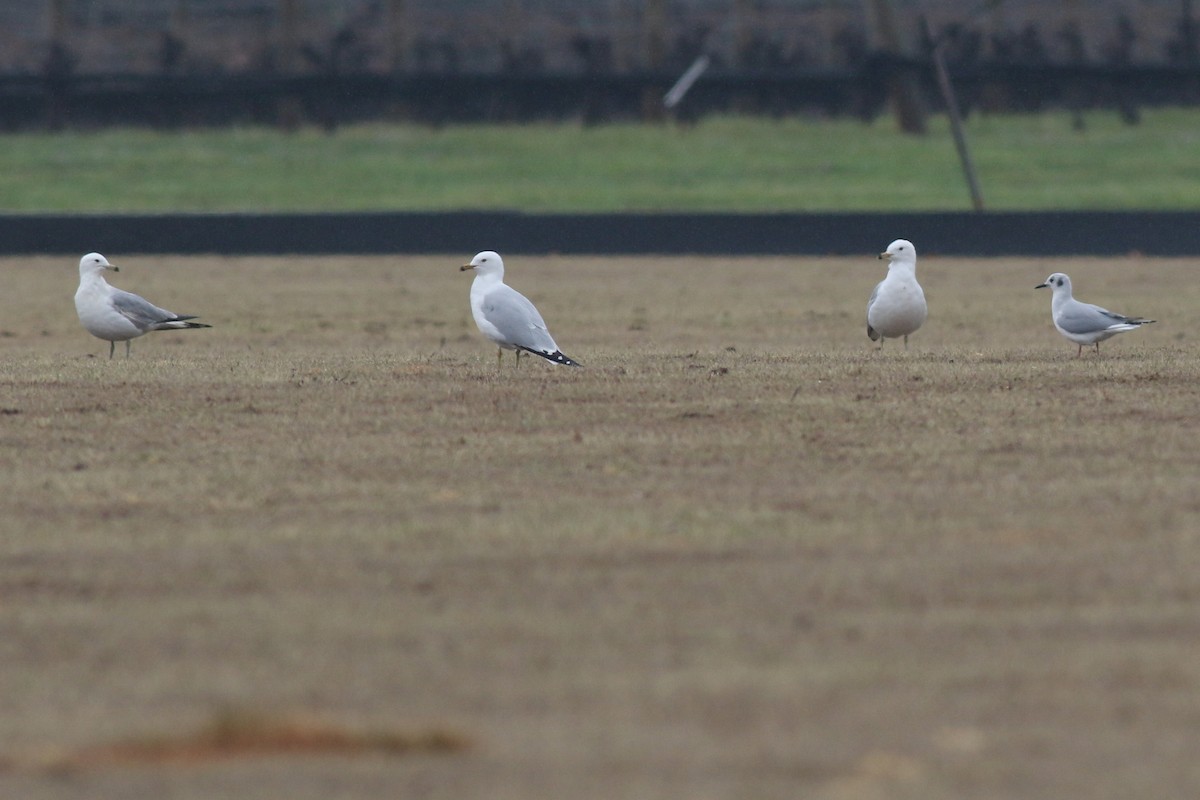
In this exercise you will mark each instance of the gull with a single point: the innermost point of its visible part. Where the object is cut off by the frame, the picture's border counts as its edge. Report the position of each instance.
(1084, 323)
(897, 306)
(506, 316)
(116, 316)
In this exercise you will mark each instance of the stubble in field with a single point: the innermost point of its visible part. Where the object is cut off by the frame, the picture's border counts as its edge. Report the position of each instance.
(742, 553)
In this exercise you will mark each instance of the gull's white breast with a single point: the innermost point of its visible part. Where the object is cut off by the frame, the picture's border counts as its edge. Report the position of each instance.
(98, 316)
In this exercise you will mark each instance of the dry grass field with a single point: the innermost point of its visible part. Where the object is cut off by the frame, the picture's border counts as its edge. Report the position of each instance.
(742, 554)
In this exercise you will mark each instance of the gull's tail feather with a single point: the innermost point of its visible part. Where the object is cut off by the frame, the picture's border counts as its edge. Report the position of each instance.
(557, 357)
(872, 334)
(1121, 318)
(179, 324)
(1130, 324)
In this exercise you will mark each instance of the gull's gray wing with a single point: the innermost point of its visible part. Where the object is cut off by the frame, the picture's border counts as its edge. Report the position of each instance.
(1084, 318)
(872, 334)
(141, 312)
(517, 319)
(874, 294)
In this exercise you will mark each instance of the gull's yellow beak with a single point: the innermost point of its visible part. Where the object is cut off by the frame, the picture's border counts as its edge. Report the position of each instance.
(466, 267)
(884, 255)
(113, 267)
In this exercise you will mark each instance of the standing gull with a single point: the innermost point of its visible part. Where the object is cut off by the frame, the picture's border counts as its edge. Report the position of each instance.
(897, 306)
(506, 316)
(116, 316)
(1084, 323)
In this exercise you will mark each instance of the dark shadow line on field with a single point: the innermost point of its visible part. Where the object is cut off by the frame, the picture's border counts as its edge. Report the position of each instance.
(958, 233)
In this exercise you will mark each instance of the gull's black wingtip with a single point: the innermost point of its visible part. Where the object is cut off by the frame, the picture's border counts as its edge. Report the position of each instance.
(558, 357)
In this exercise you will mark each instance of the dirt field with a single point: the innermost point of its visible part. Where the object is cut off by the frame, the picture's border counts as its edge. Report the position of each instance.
(742, 554)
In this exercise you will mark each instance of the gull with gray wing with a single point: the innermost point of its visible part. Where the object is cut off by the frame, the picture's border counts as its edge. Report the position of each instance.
(897, 305)
(506, 316)
(114, 315)
(1084, 323)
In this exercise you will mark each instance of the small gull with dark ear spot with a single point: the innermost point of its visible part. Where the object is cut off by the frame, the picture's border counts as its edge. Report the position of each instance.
(1084, 323)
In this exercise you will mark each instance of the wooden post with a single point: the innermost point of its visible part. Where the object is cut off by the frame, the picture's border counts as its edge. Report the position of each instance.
(397, 35)
(58, 66)
(181, 20)
(1072, 36)
(289, 110)
(289, 35)
(514, 21)
(743, 11)
(397, 54)
(654, 33)
(56, 21)
(654, 28)
(743, 51)
(1187, 33)
(904, 90)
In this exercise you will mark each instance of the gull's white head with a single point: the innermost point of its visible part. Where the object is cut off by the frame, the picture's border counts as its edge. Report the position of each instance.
(486, 263)
(900, 251)
(1059, 283)
(94, 264)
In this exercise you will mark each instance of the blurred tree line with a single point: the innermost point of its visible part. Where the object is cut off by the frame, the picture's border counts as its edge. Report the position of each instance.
(204, 62)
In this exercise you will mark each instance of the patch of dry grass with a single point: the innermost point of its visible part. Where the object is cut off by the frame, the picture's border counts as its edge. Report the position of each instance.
(237, 734)
(741, 553)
